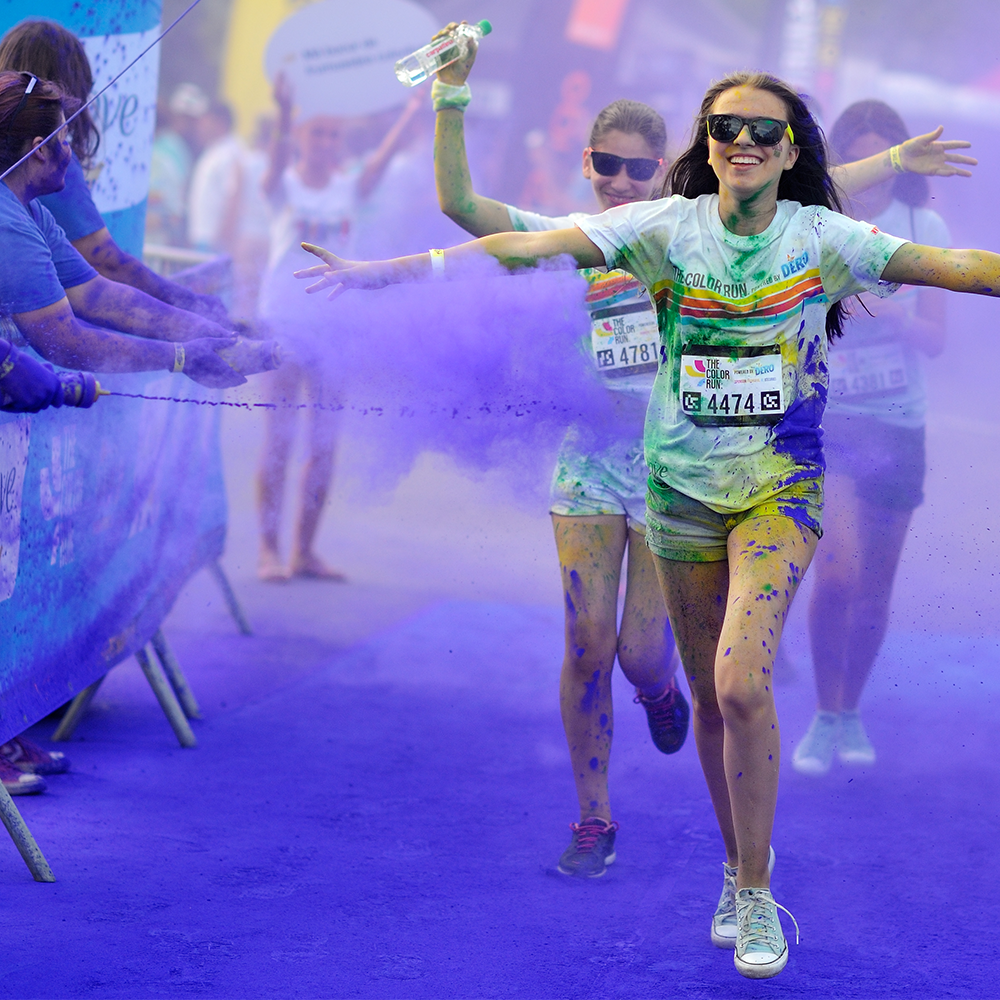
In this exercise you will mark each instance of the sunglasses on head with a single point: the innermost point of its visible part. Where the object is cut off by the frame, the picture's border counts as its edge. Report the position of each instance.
(763, 131)
(638, 168)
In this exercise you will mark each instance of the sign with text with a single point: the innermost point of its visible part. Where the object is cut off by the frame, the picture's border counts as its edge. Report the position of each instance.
(339, 55)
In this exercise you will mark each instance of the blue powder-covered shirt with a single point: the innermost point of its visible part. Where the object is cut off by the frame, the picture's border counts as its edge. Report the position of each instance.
(39, 262)
(73, 207)
(735, 411)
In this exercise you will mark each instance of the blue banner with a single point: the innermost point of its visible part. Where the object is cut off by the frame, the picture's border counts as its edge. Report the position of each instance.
(104, 515)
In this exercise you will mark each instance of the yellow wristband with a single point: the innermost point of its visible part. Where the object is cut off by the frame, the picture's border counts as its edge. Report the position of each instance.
(8, 363)
(178, 358)
(437, 263)
(897, 163)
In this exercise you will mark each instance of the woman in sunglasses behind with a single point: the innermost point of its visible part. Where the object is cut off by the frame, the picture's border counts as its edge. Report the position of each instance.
(599, 486)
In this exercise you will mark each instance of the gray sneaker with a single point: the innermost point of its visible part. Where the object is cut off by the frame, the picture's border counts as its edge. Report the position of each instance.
(854, 747)
(591, 850)
(724, 918)
(761, 949)
(814, 754)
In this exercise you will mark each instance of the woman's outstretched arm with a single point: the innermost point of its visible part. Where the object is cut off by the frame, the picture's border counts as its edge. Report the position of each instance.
(976, 271)
(513, 251)
(923, 154)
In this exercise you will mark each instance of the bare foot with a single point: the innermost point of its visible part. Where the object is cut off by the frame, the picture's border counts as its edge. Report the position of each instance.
(269, 568)
(313, 568)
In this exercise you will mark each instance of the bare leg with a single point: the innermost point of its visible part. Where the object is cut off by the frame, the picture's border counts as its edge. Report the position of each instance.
(316, 478)
(645, 643)
(849, 611)
(767, 558)
(695, 595)
(279, 429)
(590, 558)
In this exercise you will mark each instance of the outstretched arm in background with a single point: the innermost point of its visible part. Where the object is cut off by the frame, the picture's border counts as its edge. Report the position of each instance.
(474, 213)
(976, 271)
(923, 154)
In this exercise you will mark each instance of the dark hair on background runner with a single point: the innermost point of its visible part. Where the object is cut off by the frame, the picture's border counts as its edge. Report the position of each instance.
(54, 53)
(632, 118)
(866, 117)
(808, 182)
(42, 113)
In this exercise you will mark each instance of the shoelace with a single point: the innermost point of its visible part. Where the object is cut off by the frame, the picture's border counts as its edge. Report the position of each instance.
(762, 931)
(587, 833)
(662, 710)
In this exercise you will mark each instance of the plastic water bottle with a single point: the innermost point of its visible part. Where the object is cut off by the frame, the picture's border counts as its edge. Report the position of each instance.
(415, 68)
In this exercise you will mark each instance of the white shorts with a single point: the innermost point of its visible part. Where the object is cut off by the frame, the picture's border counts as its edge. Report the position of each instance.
(610, 479)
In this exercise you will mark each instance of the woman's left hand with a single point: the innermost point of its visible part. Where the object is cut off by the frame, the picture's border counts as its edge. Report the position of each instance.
(924, 154)
(338, 274)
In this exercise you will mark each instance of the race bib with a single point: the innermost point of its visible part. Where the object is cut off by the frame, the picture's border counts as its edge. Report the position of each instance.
(875, 370)
(731, 385)
(625, 339)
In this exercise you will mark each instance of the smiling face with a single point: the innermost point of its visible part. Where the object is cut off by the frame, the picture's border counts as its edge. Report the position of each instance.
(745, 170)
(621, 189)
(321, 142)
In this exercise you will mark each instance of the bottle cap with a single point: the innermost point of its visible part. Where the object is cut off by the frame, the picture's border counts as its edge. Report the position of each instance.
(486, 27)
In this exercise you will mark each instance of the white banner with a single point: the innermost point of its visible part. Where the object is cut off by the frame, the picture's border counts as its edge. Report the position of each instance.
(125, 116)
(339, 54)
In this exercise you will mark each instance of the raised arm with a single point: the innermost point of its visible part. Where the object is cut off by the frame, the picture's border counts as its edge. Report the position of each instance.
(976, 271)
(513, 251)
(376, 164)
(281, 143)
(475, 213)
(923, 154)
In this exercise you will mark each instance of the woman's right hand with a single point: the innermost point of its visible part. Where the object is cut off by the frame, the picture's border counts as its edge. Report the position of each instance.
(339, 275)
(458, 72)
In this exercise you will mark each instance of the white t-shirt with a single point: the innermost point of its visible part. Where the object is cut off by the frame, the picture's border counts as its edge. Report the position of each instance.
(735, 411)
(324, 216)
(213, 186)
(872, 371)
(623, 338)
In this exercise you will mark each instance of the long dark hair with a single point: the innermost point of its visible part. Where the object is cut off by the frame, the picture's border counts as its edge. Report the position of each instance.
(41, 114)
(866, 117)
(807, 182)
(52, 52)
(631, 118)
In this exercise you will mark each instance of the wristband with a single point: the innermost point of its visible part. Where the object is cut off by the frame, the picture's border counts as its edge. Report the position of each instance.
(7, 366)
(437, 264)
(178, 358)
(897, 163)
(448, 95)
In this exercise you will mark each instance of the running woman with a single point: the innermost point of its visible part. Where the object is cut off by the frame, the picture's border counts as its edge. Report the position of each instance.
(748, 264)
(598, 502)
(873, 436)
(599, 489)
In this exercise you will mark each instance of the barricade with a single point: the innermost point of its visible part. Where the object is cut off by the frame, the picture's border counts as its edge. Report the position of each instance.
(105, 514)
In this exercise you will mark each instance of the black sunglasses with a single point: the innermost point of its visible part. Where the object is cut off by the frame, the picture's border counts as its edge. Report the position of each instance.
(763, 131)
(637, 167)
(24, 100)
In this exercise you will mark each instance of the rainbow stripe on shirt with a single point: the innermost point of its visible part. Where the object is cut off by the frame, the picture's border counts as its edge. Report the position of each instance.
(702, 298)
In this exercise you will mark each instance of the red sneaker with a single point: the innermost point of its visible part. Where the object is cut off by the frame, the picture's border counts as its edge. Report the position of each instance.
(32, 759)
(18, 783)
